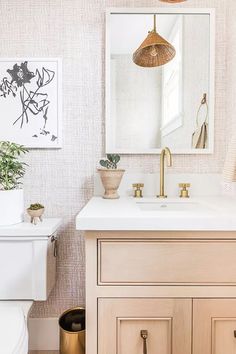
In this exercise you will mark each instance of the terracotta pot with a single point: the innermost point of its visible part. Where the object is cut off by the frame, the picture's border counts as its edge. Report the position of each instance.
(34, 214)
(111, 180)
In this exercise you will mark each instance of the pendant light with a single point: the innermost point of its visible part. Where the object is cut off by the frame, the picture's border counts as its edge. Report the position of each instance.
(154, 51)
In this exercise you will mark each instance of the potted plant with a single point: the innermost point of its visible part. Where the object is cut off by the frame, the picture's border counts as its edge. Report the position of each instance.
(35, 211)
(11, 172)
(110, 176)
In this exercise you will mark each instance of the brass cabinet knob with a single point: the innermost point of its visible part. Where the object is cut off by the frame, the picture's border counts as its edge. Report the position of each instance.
(184, 193)
(138, 193)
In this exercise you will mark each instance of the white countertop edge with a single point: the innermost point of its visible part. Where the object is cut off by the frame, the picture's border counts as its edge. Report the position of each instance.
(43, 229)
(135, 226)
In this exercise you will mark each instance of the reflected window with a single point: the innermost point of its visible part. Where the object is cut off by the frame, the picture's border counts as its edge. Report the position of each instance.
(172, 117)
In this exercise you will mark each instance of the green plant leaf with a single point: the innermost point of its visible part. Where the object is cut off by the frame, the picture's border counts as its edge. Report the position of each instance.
(36, 206)
(116, 159)
(104, 163)
(110, 157)
(11, 169)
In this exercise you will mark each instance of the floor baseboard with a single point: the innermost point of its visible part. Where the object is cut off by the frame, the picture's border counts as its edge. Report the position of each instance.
(43, 333)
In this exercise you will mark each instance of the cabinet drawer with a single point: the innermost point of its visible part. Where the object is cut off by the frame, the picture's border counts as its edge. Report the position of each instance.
(166, 262)
(167, 322)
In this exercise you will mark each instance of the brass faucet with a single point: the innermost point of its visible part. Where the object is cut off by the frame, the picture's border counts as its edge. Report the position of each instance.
(165, 152)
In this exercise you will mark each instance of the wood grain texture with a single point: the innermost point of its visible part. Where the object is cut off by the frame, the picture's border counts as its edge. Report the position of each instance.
(123, 308)
(214, 323)
(169, 262)
(168, 322)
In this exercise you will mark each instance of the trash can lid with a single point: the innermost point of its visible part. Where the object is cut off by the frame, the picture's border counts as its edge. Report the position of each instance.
(12, 329)
(73, 320)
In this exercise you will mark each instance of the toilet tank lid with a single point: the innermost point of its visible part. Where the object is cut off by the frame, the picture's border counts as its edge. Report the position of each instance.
(25, 229)
(12, 328)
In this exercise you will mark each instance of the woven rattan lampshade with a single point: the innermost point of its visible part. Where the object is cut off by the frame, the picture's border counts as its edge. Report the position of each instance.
(154, 51)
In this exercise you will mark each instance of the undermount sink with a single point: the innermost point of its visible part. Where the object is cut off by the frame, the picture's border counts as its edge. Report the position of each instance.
(165, 205)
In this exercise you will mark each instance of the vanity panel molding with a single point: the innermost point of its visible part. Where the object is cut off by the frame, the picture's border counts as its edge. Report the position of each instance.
(170, 262)
(214, 326)
(167, 322)
(185, 317)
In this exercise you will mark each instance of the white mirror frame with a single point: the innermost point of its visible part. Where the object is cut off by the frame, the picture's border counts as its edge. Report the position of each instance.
(109, 147)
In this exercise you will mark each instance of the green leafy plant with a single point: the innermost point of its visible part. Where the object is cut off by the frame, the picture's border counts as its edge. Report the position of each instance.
(111, 162)
(11, 169)
(36, 206)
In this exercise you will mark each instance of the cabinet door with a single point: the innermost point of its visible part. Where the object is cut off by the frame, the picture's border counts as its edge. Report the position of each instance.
(214, 323)
(167, 322)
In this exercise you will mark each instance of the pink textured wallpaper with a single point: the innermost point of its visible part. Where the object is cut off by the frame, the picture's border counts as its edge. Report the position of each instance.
(63, 179)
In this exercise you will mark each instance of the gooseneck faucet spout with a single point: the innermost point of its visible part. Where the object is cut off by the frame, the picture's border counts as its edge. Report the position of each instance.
(165, 153)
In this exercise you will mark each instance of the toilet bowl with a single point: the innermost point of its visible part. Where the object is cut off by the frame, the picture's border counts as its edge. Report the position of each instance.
(13, 326)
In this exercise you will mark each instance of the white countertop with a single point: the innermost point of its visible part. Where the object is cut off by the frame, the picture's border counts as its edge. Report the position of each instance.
(212, 214)
(44, 229)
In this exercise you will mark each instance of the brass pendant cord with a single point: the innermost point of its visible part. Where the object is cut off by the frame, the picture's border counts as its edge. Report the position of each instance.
(155, 24)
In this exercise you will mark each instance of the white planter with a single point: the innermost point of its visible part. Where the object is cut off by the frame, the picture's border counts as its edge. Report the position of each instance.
(11, 207)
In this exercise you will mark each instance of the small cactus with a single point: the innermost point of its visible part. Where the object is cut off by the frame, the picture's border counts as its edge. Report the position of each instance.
(111, 162)
(36, 206)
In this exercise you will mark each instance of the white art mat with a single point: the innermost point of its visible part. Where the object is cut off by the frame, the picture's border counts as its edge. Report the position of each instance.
(30, 102)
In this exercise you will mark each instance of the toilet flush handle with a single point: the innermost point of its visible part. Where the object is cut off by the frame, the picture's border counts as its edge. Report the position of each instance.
(54, 240)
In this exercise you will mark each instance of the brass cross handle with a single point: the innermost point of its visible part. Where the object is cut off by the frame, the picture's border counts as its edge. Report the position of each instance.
(184, 191)
(144, 335)
(138, 193)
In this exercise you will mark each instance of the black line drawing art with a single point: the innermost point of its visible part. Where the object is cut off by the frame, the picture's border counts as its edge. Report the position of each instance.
(30, 87)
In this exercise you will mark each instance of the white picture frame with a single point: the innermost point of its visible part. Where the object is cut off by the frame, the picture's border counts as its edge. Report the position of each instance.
(31, 101)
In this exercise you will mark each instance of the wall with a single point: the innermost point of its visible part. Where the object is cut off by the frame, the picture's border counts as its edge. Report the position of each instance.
(231, 67)
(63, 179)
(137, 99)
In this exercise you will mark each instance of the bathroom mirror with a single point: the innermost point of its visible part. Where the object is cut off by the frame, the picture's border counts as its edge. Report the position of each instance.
(148, 108)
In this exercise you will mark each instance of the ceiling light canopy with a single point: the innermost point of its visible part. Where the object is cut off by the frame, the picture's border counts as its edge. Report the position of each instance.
(154, 50)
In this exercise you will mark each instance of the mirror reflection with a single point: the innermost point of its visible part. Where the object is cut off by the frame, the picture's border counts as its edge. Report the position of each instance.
(158, 94)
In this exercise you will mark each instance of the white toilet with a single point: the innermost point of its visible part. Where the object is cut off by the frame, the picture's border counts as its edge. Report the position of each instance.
(27, 274)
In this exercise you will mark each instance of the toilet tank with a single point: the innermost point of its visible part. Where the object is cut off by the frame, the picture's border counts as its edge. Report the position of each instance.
(28, 260)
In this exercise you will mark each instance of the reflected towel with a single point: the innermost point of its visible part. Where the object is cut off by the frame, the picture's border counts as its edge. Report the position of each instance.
(199, 137)
(229, 170)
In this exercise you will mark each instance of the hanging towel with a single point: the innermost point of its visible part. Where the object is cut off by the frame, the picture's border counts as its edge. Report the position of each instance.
(199, 138)
(229, 170)
(200, 135)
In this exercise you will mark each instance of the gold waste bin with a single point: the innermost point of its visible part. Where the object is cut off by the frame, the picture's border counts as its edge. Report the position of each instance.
(72, 331)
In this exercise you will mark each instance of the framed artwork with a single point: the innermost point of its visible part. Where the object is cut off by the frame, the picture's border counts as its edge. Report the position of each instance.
(31, 101)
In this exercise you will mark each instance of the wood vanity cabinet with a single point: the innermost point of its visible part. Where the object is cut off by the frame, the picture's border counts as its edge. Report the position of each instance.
(180, 287)
(167, 322)
(214, 326)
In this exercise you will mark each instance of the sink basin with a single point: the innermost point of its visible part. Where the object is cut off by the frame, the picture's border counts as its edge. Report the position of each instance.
(164, 205)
